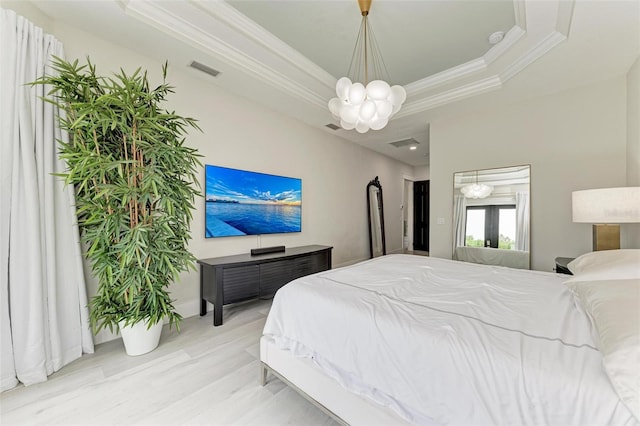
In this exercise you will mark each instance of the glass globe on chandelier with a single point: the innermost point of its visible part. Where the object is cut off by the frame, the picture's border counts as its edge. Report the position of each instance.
(367, 105)
(476, 190)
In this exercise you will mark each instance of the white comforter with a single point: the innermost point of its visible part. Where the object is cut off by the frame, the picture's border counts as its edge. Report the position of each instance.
(444, 342)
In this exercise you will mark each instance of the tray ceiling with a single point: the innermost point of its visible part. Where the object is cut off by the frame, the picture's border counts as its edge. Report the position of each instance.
(287, 55)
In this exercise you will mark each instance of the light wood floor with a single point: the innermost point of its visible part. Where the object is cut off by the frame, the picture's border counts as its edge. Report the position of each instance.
(203, 375)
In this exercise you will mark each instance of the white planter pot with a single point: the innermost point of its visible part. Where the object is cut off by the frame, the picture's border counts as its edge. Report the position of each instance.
(137, 339)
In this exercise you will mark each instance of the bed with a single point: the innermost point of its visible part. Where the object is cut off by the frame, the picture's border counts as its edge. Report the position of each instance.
(405, 339)
(493, 256)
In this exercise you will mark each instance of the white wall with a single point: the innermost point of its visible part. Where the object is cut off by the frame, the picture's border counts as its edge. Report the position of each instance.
(630, 233)
(421, 172)
(30, 12)
(573, 140)
(240, 134)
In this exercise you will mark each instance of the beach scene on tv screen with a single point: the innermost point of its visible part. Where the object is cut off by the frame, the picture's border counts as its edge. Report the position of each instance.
(240, 202)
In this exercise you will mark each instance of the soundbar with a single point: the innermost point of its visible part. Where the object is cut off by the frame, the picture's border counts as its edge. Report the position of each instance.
(266, 250)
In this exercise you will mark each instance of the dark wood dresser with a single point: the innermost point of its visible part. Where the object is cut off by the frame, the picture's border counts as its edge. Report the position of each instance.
(231, 279)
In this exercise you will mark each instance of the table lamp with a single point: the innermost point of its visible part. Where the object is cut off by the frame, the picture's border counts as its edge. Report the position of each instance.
(606, 208)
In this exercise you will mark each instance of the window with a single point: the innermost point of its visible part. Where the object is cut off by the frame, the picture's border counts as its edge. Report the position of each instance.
(491, 226)
(474, 235)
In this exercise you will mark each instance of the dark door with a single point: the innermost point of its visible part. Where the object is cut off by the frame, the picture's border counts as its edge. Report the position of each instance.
(421, 215)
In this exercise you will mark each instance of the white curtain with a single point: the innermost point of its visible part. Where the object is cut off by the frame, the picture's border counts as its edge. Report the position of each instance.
(43, 296)
(459, 220)
(522, 221)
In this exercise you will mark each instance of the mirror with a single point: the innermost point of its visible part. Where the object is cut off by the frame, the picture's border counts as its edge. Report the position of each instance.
(491, 211)
(377, 244)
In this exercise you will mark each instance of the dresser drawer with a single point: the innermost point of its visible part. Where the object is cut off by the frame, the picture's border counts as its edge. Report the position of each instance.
(240, 283)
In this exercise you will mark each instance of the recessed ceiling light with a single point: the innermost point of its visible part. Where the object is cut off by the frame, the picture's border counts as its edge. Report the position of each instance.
(496, 37)
(413, 147)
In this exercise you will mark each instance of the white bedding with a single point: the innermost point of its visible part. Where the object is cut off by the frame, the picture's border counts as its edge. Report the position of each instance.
(493, 256)
(444, 342)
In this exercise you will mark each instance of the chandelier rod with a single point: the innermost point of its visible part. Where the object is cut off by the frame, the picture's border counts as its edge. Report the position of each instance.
(365, 6)
(365, 41)
(366, 64)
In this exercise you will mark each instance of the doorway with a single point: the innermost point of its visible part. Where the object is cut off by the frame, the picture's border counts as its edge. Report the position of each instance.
(421, 215)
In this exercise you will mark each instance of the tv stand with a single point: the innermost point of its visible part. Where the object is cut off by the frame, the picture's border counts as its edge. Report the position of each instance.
(231, 279)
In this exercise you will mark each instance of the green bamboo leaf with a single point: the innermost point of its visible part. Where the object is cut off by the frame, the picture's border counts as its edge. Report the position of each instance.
(135, 255)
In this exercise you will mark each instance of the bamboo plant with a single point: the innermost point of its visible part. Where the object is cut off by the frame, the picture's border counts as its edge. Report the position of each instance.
(135, 183)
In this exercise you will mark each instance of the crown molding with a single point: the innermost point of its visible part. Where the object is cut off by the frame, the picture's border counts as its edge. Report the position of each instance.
(154, 14)
(565, 14)
(239, 22)
(561, 33)
(213, 40)
(468, 69)
(543, 47)
(475, 88)
(446, 76)
(512, 37)
(520, 12)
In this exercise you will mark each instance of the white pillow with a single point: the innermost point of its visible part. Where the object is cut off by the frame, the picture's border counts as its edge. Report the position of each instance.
(606, 265)
(613, 306)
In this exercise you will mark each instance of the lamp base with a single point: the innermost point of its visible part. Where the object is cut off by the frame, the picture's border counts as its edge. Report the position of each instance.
(606, 237)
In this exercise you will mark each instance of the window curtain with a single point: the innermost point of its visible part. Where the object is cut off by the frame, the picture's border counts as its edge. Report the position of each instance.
(459, 221)
(43, 300)
(522, 221)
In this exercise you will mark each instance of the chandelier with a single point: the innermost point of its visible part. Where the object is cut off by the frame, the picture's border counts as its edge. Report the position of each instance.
(476, 190)
(370, 104)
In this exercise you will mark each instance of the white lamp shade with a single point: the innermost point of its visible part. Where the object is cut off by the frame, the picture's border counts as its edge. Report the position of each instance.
(347, 125)
(335, 106)
(367, 110)
(607, 205)
(378, 90)
(342, 88)
(362, 127)
(398, 95)
(357, 93)
(379, 123)
(349, 113)
(384, 109)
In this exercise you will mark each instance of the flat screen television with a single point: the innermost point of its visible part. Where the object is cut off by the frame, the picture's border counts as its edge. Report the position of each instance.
(240, 202)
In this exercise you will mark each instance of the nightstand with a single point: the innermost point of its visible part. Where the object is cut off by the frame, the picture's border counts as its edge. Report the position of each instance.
(561, 265)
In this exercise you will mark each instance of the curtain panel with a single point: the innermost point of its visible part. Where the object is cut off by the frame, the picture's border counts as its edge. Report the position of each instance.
(522, 221)
(43, 299)
(459, 221)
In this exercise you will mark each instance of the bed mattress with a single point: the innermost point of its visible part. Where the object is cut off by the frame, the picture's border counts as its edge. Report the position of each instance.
(445, 342)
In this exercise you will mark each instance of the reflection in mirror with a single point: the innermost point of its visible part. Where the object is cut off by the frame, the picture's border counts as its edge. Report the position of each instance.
(377, 245)
(491, 216)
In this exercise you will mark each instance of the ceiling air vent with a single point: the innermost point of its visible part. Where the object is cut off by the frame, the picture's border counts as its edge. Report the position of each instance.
(405, 142)
(201, 67)
(332, 126)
